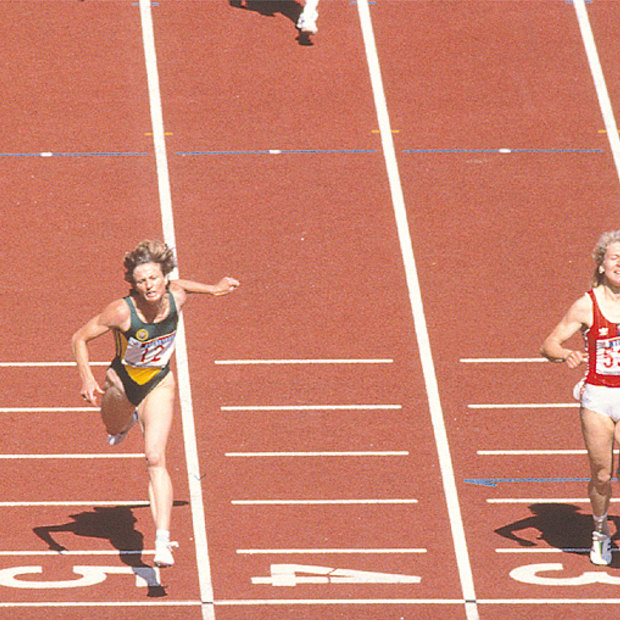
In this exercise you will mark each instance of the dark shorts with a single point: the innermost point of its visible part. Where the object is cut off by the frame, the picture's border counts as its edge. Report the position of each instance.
(135, 392)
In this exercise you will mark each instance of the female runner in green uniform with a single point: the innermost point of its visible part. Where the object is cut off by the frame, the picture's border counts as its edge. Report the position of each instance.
(139, 385)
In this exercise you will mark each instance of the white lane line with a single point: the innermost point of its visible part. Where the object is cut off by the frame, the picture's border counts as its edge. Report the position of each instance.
(319, 454)
(503, 360)
(338, 601)
(530, 452)
(92, 552)
(550, 601)
(419, 319)
(310, 407)
(544, 500)
(317, 502)
(524, 406)
(119, 604)
(549, 550)
(111, 455)
(46, 364)
(46, 409)
(185, 398)
(252, 362)
(599, 81)
(387, 551)
(52, 503)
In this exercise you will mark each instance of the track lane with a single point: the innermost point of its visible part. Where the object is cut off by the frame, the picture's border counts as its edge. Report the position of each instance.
(492, 77)
(318, 261)
(79, 186)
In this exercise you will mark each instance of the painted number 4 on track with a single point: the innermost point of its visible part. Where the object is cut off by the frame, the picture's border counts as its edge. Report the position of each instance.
(297, 574)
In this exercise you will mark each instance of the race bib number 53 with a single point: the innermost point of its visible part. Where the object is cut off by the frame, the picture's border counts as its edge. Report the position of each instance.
(608, 356)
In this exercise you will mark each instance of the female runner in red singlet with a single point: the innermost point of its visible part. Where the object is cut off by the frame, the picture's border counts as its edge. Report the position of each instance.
(597, 315)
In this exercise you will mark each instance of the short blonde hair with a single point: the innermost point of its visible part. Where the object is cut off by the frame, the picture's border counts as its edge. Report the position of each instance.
(598, 254)
(149, 251)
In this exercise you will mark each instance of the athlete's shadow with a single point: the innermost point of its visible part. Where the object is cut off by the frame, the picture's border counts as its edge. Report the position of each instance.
(291, 9)
(116, 524)
(561, 526)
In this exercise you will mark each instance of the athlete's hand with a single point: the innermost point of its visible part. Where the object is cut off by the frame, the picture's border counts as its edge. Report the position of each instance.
(576, 358)
(226, 285)
(91, 391)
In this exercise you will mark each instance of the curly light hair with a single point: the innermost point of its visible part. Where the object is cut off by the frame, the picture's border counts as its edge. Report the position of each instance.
(149, 251)
(598, 254)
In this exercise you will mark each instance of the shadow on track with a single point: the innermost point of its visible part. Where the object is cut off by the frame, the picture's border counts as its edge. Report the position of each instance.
(116, 524)
(291, 9)
(561, 526)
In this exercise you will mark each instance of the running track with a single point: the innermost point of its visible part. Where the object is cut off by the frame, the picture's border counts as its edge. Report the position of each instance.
(363, 429)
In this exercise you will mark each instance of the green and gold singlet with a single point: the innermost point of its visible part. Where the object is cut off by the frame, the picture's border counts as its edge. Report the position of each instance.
(143, 352)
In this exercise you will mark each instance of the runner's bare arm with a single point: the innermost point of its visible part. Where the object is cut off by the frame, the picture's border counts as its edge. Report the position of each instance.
(578, 316)
(223, 287)
(115, 315)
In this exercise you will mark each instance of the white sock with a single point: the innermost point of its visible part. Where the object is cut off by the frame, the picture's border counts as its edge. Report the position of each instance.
(162, 536)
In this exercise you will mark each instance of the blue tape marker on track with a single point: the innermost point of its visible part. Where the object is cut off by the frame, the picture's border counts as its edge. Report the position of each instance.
(49, 154)
(503, 151)
(280, 152)
(493, 482)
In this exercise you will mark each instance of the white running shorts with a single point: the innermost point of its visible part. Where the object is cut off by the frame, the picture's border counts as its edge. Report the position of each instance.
(605, 400)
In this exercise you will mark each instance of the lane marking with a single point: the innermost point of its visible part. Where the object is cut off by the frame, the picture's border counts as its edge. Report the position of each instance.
(493, 482)
(149, 603)
(549, 550)
(185, 397)
(599, 81)
(291, 575)
(87, 576)
(86, 154)
(317, 502)
(550, 601)
(321, 602)
(47, 364)
(544, 500)
(111, 455)
(281, 152)
(133, 503)
(524, 406)
(309, 407)
(302, 361)
(419, 319)
(114, 552)
(336, 601)
(503, 360)
(320, 454)
(46, 409)
(532, 452)
(502, 151)
(387, 551)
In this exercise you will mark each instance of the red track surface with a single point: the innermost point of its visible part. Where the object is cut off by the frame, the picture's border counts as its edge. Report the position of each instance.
(501, 242)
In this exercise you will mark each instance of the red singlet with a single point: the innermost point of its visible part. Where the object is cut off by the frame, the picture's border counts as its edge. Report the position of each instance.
(603, 347)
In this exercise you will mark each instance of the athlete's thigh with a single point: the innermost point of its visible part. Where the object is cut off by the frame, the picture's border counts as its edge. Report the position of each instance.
(598, 433)
(155, 413)
(114, 401)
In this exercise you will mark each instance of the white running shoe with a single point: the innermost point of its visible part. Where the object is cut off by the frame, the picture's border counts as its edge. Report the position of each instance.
(114, 440)
(600, 553)
(307, 22)
(163, 554)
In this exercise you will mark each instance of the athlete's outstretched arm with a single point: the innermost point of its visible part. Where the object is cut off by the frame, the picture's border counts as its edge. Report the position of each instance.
(223, 287)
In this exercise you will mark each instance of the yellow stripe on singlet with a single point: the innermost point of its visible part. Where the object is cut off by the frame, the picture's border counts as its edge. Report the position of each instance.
(142, 375)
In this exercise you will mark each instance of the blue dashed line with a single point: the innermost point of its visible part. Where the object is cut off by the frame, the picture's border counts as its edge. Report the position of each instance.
(493, 482)
(49, 154)
(503, 151)
(280, 152)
